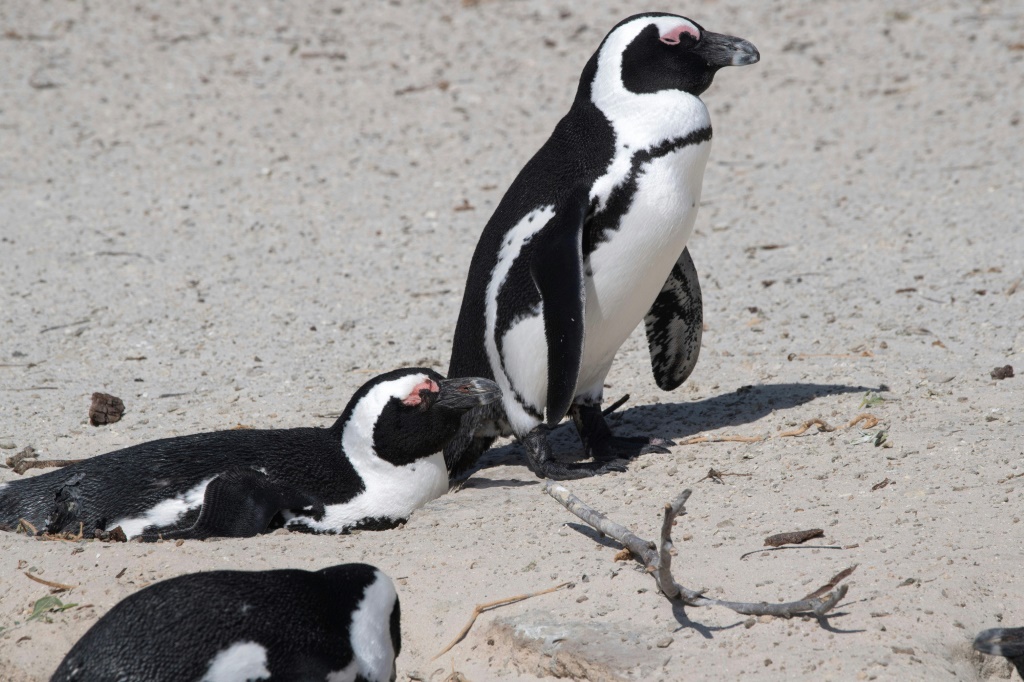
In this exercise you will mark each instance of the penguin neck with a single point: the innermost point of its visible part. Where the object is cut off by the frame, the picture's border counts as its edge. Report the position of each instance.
(640, 120)
(337, 429)
(647, 120)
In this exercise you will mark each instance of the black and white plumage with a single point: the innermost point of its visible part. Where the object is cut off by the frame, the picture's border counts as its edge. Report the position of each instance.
(340, 623)
(589, 240)
(1006, 642)
(380, 461)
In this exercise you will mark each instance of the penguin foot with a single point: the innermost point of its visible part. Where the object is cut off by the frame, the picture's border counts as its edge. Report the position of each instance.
(67, 506)
(618, 447)
(542, 462)
(599, 442)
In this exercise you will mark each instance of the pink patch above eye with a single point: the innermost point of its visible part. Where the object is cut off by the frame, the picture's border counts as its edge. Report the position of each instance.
(414, 398)
(672, 37)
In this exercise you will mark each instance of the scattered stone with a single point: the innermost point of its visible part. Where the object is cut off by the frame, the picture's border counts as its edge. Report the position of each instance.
(105, 409)
(114, 535)
(7, 445)
(663, 643)
(794, 538)
(1004, 372)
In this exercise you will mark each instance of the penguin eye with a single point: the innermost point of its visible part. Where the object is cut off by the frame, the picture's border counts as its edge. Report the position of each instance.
(673, 36)
(422, 395)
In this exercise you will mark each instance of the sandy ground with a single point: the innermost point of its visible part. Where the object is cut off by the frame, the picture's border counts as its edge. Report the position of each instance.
(236, 213)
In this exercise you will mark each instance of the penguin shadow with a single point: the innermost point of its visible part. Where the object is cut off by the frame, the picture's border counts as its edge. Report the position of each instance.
(745, 405)
(484, 483)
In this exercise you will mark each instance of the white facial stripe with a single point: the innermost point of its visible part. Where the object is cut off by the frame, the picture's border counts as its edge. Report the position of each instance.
(371, 631)
(512, 245)
(164, 513)
(357, 438)
(640, 121)
(391, 491)
(238, 663)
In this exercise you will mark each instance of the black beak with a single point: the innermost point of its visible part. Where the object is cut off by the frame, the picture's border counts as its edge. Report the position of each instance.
(1008, 642)
(721, 50)
(467, 393)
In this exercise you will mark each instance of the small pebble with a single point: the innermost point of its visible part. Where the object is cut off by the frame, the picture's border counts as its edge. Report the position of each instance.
(1004, 372)
(663, 643)
(7, 445)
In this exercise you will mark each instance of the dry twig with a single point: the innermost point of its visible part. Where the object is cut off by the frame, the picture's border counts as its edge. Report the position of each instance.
(49, 583)
(836, 579)
(869, 421)
(66, 536)
(480, 608)
(26, 464)
(716, 476)
(657, 560)
(722, 439)
(822, 426)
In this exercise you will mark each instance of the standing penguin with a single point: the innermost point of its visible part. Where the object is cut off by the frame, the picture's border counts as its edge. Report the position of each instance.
(339, 623)
(589, 240)
(380, 461)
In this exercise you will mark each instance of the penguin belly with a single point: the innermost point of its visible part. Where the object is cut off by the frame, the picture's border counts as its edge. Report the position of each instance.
(390, 494)
(624, 275)
(629, 269)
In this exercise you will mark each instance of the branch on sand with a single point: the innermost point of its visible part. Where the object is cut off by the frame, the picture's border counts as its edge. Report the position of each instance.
(658, 561)
(480, 608)
(869, 421)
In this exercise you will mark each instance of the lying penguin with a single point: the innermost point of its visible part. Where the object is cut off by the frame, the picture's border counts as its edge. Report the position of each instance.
(380, 461)
(339, 623)
(589, 240)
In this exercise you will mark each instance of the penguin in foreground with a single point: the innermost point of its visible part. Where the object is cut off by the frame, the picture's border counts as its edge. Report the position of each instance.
(1006, 642)
(380, 461)
(339, 623)
(589, 240)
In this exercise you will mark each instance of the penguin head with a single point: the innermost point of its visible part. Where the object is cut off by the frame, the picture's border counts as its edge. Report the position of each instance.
(407, 414)
(650, 53)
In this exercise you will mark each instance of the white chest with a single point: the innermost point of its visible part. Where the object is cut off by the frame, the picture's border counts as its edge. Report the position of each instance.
(627, 270)
(391, 492)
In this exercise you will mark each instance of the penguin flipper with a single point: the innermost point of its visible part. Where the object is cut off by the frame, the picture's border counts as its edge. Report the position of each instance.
(674, 325)
(557, 270)
(241, 503)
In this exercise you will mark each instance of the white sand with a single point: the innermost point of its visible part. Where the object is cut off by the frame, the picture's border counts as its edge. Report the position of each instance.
(238, 195)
